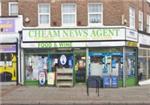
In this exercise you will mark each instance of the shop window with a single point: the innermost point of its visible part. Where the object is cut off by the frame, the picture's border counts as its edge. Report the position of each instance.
(148, 23)
(68, 14)
(44, 14)
(95, 14)
(46, 63)
(140, 20)
(13, 8)
(148, 52)
(132, 17)
(106, 64)
(131, 63)
(34, 64)
(2, 57)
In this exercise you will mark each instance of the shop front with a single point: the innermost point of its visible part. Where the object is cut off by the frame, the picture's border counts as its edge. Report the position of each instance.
(9, 37)
(144, 57)
(70, 56)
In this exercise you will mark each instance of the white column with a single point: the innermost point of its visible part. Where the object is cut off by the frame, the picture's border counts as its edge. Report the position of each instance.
(22, 66)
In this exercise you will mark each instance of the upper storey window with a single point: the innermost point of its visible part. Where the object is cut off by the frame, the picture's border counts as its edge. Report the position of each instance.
(132, 17)
(95, 14)
(148, 23)
(68, 14)
(13, 8)
(140, 20)
(44, 14)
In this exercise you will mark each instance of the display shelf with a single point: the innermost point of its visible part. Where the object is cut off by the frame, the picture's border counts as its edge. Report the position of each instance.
(64, 84)
(64, 77)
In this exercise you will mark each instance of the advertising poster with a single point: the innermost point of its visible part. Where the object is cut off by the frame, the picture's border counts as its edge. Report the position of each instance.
(114, 81)
(106, 81)
(42, 78)
(51, 78)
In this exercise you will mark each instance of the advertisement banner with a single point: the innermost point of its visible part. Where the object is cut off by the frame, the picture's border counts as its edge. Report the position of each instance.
(131, 35)
(7, 48)
(42, 78)
(114, 82)
(7, 25)
(72, 44)
(144, 39)
(106, 81)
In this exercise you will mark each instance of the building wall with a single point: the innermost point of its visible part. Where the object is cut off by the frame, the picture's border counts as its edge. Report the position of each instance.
(113, 10)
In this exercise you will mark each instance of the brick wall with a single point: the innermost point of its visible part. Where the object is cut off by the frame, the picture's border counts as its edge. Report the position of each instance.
(112, 15)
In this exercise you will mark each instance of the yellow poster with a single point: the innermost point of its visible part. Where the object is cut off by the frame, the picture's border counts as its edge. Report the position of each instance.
(51, 78)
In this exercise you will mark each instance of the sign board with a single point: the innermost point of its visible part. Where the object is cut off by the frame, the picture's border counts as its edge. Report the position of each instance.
(51, 78)
(132, 44)
(114, 81)
(7, 48)
(63, 59)
(144, 39)
(131, 35)
(106, 81)
(76, 34)
(72, 44)
(7, 25)
(42, 78)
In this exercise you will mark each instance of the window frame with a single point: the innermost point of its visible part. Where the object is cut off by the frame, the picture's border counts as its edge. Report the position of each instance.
(131, 9)
(148, 23)
(100, 13)
(49, 15)
(75, 14)
(17, 12)
(140, 20)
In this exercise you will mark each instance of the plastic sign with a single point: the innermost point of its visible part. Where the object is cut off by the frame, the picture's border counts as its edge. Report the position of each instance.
(7, 48)
(7, 25)
(42, 78)
(63, 59)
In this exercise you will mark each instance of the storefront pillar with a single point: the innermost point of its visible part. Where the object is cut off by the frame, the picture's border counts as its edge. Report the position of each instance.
(124, 67)
(147, 66)
(22, 67)
(87, 62)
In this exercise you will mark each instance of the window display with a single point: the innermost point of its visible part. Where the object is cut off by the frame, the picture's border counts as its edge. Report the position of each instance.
(35, 64)
(106, 64)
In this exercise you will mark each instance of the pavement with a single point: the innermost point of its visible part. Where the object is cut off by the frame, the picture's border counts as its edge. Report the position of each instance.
(34, 95)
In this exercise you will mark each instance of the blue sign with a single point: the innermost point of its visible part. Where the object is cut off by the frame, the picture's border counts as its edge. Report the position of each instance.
(105, 54)
(114, 81)
(106, 81)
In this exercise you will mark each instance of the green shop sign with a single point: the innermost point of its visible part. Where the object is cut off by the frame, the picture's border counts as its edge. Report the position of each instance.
(53, 45)
(73, 34)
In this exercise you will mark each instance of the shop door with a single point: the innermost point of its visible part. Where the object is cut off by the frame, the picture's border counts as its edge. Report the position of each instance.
(80, 67)
(8, 67)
